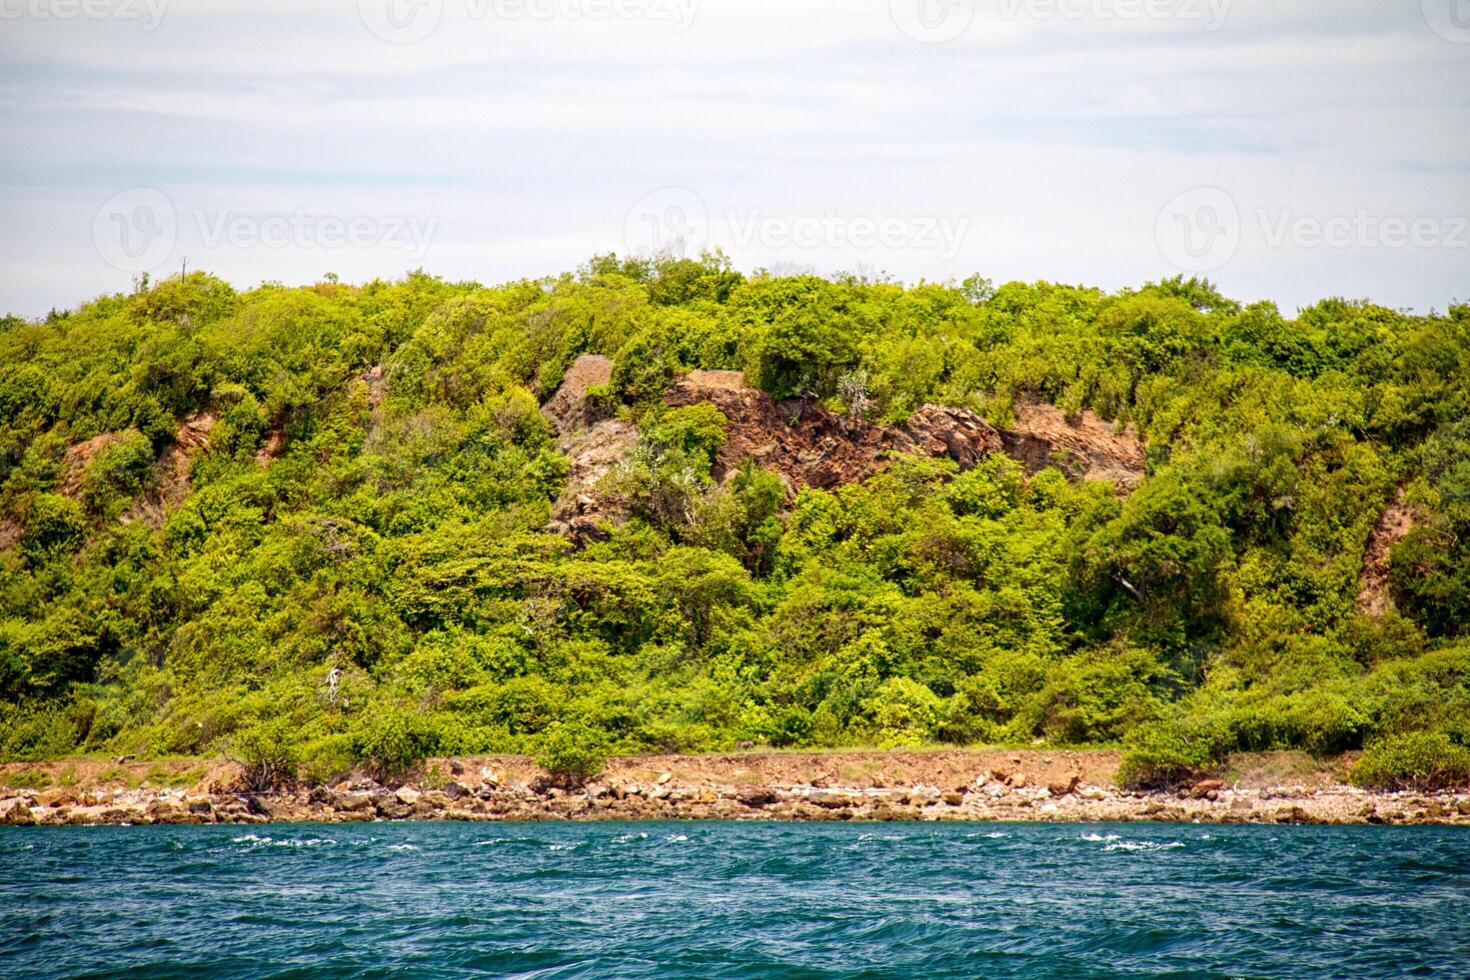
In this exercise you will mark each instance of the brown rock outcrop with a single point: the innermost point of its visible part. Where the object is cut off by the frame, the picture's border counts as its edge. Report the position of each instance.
(812, 447)
(567, 408)
(1393, 526)
(1087, 446)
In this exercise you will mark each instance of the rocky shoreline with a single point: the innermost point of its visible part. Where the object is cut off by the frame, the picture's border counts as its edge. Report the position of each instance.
(858, 786)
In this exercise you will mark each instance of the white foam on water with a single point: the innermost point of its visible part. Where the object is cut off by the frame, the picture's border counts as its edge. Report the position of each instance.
(253, 841)
(625, 838)
(1099, 838)
(1143, 845)
(566, 847)
(402, 847)
(676, 838)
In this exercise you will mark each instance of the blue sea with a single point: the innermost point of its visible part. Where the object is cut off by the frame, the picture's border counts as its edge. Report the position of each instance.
(734, 900)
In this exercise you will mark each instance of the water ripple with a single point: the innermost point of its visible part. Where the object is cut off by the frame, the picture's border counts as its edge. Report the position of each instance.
(732, 900)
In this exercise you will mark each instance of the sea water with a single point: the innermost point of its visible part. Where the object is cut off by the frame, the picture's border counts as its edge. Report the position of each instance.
(734, 900)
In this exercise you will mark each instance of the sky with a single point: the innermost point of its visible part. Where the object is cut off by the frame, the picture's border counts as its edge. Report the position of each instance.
(1288, 150)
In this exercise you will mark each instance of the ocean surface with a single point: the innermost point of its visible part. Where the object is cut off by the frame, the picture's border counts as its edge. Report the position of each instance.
(734, 900)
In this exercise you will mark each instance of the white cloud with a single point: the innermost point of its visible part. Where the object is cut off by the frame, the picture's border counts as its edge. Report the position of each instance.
(527, 139)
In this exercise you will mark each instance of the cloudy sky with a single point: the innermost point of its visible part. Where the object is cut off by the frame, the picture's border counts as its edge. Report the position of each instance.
(1288, 149)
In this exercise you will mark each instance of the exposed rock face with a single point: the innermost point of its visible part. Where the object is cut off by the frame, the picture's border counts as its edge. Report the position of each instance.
(1393, 526)
(1090, 448)
(812, 447)
(567, 408)
(592, 450)
(272, 447)
(809, 446)
(376, 382)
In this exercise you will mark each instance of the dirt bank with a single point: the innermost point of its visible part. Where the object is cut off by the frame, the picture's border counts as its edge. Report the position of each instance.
(950, 784)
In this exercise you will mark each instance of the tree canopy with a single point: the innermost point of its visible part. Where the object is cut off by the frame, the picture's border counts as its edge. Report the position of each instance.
(311, 523)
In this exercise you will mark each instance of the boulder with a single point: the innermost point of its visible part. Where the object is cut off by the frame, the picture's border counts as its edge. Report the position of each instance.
(407, 795)
(56, 796)
(830, 800)
(15, 812)
(757, 796)
(1064, 787)
(352, 802)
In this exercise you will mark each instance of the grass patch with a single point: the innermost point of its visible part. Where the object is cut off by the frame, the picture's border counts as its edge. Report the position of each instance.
(27, 779)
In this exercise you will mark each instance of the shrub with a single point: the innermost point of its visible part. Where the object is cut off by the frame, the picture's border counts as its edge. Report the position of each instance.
(1417, 760)
(571, 753)
(1163, 756)
(53, 525)
(44, 733)
(265, 751)
(392, 740)
(117, 472)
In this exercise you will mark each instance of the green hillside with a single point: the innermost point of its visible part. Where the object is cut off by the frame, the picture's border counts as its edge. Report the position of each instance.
(308, 526)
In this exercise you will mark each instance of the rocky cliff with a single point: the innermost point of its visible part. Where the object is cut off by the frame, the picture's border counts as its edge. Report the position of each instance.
(811, 446)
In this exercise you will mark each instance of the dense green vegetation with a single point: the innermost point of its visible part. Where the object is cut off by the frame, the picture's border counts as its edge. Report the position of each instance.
(357, 571)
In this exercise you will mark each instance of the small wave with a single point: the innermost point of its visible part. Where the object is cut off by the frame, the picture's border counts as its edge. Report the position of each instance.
(566, 847)
(676, 838)
(402, 847)
(1099, 838)
(626, 838)
(1143, 845)
(254, 840)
